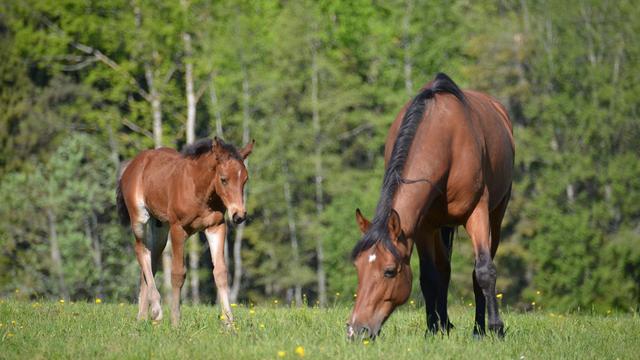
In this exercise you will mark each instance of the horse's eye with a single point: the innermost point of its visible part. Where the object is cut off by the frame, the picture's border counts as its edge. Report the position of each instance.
(223, 181)
(390, 272)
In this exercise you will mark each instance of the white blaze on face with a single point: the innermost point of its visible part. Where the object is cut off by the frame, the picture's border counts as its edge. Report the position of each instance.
(372, 258)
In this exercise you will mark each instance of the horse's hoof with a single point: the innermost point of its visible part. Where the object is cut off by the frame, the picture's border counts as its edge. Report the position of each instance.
(497, 331)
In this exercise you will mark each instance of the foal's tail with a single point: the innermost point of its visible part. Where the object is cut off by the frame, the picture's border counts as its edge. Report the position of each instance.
(121, 206)
(447, 233)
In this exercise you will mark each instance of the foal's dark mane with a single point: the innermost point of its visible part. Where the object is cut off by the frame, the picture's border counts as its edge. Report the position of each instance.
(378, 231)
(203, 146)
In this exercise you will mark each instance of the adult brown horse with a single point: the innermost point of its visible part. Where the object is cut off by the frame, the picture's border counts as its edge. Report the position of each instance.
(449, 161)
(182, 193)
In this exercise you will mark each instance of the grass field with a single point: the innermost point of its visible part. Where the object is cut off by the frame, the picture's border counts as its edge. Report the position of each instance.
(49, 330)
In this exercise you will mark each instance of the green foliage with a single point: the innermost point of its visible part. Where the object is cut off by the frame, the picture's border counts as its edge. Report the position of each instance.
(75, 101)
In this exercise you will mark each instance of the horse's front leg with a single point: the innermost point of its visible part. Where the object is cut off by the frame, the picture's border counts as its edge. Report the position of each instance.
(178, 271)
(216, 236)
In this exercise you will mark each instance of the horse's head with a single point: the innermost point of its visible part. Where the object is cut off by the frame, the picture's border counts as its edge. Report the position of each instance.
(231, 175)
(384, 278)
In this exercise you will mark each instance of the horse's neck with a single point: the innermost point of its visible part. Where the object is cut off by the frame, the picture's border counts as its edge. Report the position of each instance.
(411, 201)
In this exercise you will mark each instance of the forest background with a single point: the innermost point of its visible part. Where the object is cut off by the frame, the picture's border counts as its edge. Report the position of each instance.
(86, 85)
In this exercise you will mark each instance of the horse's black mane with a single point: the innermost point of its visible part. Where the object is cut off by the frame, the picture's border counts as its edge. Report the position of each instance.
(378, 231)
(202, 146)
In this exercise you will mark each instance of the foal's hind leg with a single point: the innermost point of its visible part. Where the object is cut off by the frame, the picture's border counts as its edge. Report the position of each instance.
(485, 270)
(143, 254)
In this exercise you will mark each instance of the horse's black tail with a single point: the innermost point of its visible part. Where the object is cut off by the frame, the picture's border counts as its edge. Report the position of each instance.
(121, 206)
(447, 233)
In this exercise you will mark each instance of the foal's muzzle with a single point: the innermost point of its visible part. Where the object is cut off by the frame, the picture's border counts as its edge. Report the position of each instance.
(239, 218)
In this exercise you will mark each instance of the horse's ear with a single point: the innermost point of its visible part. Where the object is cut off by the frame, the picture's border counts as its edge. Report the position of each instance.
(363, 223)
(247, 149)
(394, 225)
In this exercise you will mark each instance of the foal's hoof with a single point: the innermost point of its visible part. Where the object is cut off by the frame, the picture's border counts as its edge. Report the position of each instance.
(156, 312)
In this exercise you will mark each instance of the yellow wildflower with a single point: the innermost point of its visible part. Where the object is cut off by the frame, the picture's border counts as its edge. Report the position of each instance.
(299, 351)
(275, 301)
(9, 334)
(470, 304)
(366, 342)
(252, 311)
(61, 301)
(499, 296)
(17, 291)
(13, 322)
(234, 305)
(337, 294)
(533, 303)
(98, 301)
(355, 295)
(121, 304)
(412, 302)
(261, 326)
(281, 353)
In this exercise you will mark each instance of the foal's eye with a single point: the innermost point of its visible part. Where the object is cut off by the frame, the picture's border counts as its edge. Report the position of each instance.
(390, 272)
(223, 181)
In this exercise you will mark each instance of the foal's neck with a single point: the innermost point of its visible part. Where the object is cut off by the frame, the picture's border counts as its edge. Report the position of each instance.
(203, 172)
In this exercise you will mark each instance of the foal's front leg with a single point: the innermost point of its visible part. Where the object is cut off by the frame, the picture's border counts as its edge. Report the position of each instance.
(216, 236)
(178, 271)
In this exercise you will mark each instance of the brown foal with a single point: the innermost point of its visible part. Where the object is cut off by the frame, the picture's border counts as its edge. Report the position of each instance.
(449, 161)
(165, 195)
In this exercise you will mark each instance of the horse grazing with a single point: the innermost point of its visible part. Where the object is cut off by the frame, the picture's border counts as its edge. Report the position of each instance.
(449, 161)
(163, 192)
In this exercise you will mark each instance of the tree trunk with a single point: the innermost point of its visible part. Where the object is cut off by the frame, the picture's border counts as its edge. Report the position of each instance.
(96, 251)
(194, 245)
(156, 105)
(292, 230)
(320, 273)
(216, 106)
(237, 244)
(155, 100)
(406, 47)
(56, 257)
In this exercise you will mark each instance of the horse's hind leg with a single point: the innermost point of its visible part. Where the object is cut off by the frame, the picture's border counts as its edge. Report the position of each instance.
(478, 227)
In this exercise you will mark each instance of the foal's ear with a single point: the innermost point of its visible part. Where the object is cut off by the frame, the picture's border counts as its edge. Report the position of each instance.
(217, 144)
(394, 225)
(362, 222)
(246, 150)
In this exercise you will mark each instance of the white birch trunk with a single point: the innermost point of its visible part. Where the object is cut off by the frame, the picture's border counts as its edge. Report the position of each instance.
(194, 280)
(56, 257)
(320, 273)
(292, 230)
(237, 244)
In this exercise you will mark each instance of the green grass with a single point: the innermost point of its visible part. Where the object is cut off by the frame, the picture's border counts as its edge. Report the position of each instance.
(53, 330)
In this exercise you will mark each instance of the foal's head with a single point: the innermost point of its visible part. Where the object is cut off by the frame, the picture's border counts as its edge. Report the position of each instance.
(384, 275)
(230, 173)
